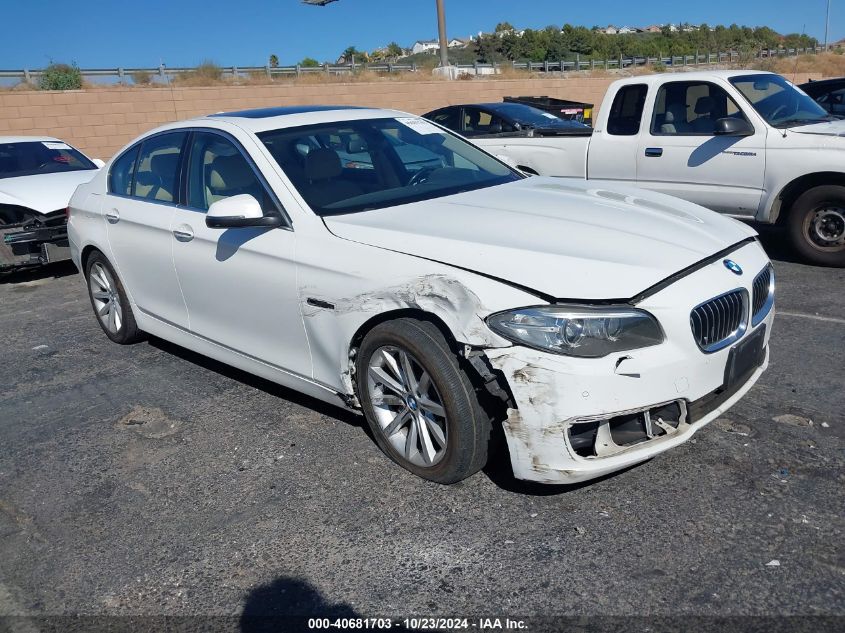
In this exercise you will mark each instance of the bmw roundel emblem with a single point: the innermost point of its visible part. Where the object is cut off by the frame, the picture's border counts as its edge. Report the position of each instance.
(732, 266)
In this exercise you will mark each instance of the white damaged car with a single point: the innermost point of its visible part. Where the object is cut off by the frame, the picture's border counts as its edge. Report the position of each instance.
(38, 175)
(437, 290)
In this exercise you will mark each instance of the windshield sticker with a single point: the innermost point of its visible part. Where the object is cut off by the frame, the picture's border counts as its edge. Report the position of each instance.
(55, 145)
(420, 126)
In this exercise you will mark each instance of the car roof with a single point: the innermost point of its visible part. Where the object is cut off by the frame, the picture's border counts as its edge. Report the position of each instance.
(263, 119)
(694, 75)
(28, 139)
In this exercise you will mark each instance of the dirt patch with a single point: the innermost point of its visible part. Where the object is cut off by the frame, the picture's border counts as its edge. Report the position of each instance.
(149, 422)
(793, 420)
(732, 426)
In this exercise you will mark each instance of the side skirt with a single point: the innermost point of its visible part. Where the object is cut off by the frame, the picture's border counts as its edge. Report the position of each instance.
(201, 345)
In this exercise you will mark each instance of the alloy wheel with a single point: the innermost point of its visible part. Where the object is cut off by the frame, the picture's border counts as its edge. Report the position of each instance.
(105, 298)
(408, 406)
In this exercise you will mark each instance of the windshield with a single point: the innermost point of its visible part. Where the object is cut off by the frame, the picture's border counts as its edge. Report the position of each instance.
(352, 166)
(528, 116)
(40, 157)
(778, 101)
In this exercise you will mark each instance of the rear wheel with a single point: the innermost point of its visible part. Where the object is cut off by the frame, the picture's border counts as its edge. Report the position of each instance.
(109, 300)
(816, 224)
(420, 405)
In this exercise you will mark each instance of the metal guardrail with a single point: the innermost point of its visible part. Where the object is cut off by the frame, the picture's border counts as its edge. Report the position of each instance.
(163, 74)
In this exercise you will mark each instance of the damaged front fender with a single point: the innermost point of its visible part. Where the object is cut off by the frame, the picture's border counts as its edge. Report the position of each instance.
(338, 308)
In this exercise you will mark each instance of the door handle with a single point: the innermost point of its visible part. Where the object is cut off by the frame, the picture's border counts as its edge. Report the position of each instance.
(184, 233)
(654, 152)
(112, 215)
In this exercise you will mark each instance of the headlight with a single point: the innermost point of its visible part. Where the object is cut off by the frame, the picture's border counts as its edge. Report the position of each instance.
(586, 331)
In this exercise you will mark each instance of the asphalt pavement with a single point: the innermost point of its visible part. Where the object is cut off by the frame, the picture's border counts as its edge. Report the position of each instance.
(147, 480)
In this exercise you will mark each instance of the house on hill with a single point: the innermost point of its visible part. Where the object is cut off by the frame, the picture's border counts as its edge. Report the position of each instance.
(425, 46)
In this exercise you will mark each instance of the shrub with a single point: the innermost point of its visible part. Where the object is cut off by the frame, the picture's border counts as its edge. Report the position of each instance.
(61, 77)
(309, 62)
(208, 70)
(206, 74)
(142, 77)
(658, 67)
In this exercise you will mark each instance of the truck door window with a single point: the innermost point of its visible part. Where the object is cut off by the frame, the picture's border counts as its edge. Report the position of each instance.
(627, 110)
(687, 108)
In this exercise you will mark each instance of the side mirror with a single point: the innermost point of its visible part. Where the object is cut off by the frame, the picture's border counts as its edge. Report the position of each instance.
(99, 162)
(239, 211)
(495, 128)
(730, 126)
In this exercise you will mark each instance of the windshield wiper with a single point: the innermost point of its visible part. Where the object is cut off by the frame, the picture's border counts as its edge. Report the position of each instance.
(802, 121)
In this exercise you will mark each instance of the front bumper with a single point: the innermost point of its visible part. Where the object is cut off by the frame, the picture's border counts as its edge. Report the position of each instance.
(575, 418)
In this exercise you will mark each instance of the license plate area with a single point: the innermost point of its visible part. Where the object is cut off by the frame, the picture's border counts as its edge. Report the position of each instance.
(745, 357)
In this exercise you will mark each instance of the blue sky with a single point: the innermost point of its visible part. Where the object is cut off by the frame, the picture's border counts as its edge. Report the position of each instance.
(245, 32)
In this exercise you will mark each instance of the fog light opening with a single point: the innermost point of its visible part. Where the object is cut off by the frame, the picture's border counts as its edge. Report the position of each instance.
(599, 438)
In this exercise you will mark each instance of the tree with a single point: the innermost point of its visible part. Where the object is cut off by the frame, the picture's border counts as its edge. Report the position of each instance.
(309, 62)
(349, 53)
(504, 27)
(394, 50)
(274, 61)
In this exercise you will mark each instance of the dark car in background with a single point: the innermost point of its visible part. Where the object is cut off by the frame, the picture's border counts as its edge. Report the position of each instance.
(828, 93)
(504, 119)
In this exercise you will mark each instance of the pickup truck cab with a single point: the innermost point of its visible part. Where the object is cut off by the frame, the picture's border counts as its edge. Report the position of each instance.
(745, 143)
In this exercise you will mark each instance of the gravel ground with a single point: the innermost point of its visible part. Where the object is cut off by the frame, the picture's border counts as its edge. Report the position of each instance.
(147, 480)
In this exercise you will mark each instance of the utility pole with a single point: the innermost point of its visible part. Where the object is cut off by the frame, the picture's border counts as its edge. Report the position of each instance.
(826, 24)
(444, 43)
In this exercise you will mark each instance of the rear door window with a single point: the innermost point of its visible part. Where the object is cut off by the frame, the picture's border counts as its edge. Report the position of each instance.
(122, 171)
(157, 169)
(449, 118)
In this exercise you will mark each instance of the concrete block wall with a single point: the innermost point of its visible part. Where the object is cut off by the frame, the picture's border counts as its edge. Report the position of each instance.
(99, 121)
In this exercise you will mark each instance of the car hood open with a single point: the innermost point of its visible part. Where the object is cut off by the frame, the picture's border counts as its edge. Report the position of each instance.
(564, 238)
(43, 193)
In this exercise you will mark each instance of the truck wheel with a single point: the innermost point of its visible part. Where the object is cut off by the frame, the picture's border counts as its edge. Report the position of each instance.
(419, 403)
(109, 300)
(816, 224)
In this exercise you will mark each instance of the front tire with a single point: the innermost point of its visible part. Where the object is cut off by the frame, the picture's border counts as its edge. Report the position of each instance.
(816, 225)
(109, 301)
(420, 405)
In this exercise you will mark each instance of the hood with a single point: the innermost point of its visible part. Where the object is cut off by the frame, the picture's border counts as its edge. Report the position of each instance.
(43, 193)
(827, 128)
(565, 238)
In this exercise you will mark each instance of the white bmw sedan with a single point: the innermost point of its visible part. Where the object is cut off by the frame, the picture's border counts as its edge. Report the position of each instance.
(376, 261)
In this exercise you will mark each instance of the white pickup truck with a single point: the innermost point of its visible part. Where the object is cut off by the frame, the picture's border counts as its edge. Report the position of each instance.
(745, 143)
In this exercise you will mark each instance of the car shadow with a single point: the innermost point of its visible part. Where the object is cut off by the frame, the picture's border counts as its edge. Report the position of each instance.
(232, 239)
(288, 603)
(775, 242)
(256, 382)
(711, 148)
(35, 273)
